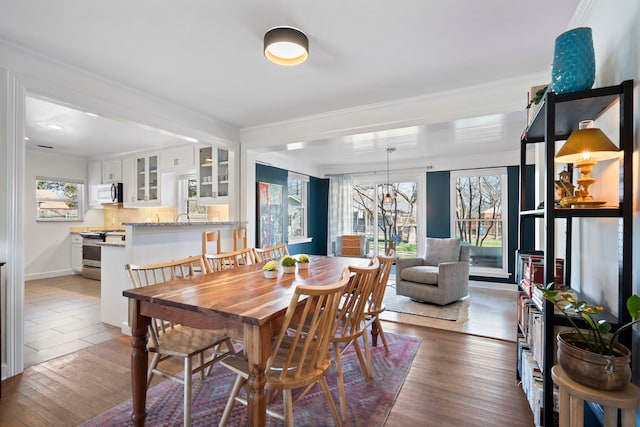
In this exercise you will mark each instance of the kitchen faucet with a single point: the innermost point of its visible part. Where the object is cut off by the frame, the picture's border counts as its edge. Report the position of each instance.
(185, 214)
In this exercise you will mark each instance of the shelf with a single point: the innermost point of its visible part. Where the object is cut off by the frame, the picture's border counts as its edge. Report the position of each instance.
(571, 108)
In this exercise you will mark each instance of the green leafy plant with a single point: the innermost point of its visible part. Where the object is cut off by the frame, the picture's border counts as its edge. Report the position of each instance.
(270, 266)
(303, 258)
(538, 97)
(597, 337)
(287, 261)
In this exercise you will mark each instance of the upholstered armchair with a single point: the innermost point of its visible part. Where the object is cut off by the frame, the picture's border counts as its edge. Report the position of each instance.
(441, 277)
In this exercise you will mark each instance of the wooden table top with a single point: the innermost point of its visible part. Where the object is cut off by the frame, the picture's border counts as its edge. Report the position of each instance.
(243, 293)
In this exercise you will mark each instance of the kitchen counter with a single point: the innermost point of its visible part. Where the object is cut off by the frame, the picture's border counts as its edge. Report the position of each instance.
(116, 244)
(186, 224)
(148, 243)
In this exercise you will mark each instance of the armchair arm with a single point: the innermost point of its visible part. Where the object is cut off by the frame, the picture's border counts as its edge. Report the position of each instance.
(450, 273)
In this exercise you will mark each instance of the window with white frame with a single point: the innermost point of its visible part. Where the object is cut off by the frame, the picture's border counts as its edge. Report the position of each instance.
(59, 199)
(479, 201)
(297, 188)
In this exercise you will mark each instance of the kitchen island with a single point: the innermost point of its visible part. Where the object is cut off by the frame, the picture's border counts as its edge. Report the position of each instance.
(147, 243)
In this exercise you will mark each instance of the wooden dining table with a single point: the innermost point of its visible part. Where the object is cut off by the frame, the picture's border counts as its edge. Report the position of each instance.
(239, 303)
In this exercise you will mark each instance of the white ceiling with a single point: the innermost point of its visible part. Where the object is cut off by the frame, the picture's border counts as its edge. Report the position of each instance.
(207, 56)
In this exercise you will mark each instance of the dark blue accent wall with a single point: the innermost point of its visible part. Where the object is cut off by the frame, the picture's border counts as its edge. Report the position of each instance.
(439, 212)
(438, 204)
(318, 203)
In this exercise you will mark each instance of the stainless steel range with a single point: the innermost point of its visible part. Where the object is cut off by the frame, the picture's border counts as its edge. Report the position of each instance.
(92, 252)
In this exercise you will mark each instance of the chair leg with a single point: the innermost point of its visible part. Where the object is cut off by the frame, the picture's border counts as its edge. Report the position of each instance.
(363, 362)
(152, 366)
(288, 407)
(381, 332)
(343, 397)
(327, 394)
(202, 364)
(187, 391)
(232, 400)
(367, 356)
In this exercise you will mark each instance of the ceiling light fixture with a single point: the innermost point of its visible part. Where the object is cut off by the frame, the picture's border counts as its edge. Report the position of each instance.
(286, 46)
(387, 197)
(52, 126)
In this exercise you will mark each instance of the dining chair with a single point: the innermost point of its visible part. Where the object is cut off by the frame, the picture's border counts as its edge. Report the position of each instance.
(375, 305)
(169, 340)
(350, 324)
(227, 260)
(300, 353)
(239, 236)
(210, 236)
(273, 253)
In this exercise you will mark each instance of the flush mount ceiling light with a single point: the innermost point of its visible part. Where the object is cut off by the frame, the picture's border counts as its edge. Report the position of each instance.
(286, 46)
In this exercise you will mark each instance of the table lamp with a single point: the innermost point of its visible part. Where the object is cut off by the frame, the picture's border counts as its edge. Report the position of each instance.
(584, 148)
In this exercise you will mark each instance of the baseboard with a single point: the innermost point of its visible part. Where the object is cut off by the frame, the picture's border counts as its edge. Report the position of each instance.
(493, 285)
(48, 274)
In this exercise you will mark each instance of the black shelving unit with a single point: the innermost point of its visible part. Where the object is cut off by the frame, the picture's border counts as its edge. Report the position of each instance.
(557, 117)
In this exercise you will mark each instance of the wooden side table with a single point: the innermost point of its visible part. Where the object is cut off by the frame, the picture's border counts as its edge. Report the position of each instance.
(573, 395)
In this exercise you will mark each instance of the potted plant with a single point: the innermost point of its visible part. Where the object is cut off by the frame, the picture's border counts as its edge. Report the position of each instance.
(270, 270)
(592, 355)
(288, 264)
(303, 261)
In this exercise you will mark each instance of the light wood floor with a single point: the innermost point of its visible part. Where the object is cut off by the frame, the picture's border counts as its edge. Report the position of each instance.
(457, 379)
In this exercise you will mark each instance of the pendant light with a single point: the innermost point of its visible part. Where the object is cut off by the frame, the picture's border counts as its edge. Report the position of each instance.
(286, 46)
(388, 199)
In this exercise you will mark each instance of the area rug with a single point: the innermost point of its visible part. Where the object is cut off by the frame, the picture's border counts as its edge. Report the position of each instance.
(368, 402)
(456, 312)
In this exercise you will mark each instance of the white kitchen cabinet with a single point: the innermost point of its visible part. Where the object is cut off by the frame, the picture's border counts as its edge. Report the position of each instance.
(76, 253)
(94, 178)
(144, 185)
(214, 170)
(111, 171)
(177, 158)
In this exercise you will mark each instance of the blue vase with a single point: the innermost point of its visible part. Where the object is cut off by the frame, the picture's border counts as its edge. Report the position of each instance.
(574, 63)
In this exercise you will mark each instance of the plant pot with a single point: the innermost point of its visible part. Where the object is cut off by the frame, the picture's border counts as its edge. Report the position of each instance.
(303, 265)
(291, 269)
(270, 274)
(594, 370)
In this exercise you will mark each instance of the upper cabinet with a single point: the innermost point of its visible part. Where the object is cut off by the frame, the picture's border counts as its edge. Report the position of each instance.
(111, 171)
(142, 183)
(177, 158)
(214, 170)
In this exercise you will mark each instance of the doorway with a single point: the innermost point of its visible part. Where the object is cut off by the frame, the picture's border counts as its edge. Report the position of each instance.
(387, 215)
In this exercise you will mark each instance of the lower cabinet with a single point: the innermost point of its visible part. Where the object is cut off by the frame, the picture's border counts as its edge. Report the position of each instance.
(76, 253)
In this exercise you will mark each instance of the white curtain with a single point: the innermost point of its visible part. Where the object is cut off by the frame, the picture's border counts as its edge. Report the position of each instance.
(340, 210)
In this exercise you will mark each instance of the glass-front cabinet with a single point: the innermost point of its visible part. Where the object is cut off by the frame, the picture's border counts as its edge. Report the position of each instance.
(144, 180)
(213, 175)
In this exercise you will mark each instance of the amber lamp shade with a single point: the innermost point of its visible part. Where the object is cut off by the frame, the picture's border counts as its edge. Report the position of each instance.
(584, 148)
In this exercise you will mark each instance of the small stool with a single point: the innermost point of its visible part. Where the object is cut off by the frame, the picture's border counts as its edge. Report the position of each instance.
(573, 395)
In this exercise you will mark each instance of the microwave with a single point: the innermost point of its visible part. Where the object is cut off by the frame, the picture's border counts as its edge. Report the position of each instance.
(110, 193)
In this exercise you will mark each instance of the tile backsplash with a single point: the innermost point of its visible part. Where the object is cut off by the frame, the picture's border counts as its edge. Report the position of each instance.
(116, 215)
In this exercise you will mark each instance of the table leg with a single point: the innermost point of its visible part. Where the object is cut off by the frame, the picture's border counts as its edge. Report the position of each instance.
(139, 362)
(577, 411)
(565, 417)
(374, 334)
(258, 348)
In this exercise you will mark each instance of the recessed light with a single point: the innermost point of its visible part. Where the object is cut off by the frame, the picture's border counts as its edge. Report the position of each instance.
(26, 138)
(91, 114)
(52, 126)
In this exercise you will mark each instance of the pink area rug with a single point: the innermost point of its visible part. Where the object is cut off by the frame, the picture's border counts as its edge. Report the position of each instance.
(369, 402)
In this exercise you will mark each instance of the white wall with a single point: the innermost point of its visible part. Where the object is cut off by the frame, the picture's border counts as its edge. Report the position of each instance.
(47, 245)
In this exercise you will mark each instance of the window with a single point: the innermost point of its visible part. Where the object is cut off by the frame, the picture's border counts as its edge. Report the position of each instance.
(297, 187)
(59, 199)
(479, 200)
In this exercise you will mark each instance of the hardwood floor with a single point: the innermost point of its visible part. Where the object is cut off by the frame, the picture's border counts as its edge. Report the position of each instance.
(456, 379)
(62, 315)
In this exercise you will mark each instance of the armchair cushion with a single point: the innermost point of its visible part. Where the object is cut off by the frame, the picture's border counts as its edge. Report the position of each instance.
(423, 274)
(442, 250)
